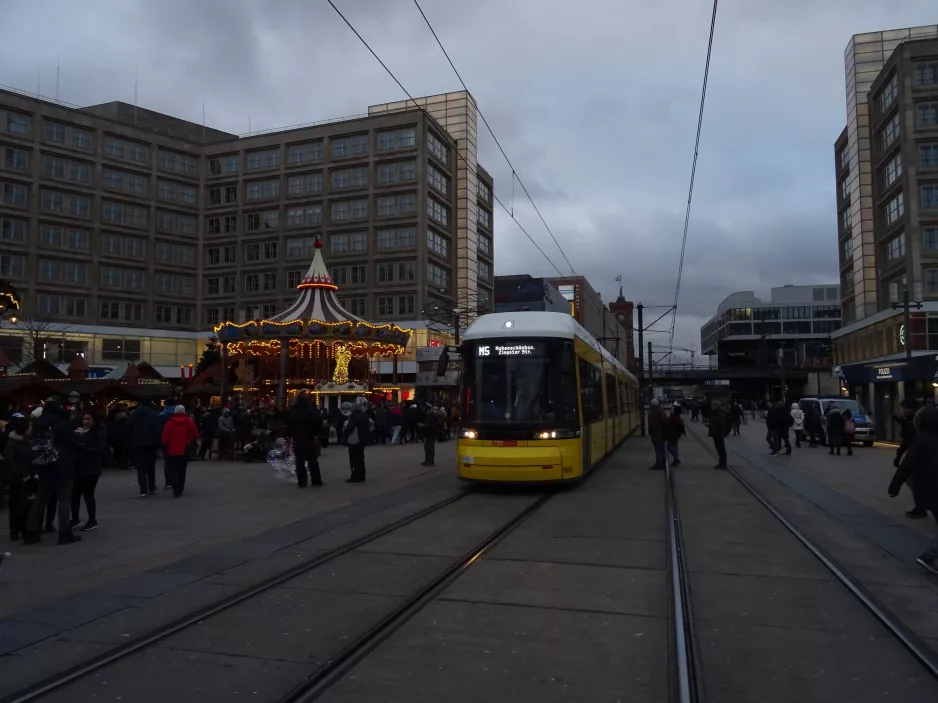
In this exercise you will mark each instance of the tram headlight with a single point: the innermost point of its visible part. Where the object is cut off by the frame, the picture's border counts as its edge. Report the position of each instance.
(557, 434)
(547, 435)
(469, 434)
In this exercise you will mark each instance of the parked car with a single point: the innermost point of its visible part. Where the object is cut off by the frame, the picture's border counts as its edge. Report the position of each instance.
(865, 429)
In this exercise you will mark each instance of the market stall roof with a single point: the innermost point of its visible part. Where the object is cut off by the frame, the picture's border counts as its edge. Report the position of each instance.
(317, 299)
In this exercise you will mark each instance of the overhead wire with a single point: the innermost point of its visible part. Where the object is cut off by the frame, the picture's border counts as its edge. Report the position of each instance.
(424, 110)
(693, 173)
(514, 171)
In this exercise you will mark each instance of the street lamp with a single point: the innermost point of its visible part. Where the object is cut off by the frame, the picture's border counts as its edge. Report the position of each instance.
(456, 313)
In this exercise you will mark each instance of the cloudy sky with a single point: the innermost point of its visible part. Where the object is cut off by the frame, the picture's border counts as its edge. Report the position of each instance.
(594, 101)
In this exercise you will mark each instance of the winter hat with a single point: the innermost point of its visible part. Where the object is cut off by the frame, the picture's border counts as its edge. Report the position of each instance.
(180, 410)
(36, 413)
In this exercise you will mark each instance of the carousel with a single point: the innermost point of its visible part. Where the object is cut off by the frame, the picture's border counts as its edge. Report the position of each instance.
(314, 344)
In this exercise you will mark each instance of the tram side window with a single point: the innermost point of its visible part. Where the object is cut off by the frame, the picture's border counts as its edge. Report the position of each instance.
(591, 392)
(612, 403)
(623, 398)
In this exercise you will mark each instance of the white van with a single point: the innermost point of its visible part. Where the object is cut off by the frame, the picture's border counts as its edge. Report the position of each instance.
(865, 431)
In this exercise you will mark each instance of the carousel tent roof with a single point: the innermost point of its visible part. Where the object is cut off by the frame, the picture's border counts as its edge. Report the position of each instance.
(316, 299)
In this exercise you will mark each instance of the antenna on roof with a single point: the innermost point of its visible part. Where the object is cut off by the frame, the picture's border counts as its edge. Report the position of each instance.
(136, 74)
(38, 80)
(203, 120)
(58, 68)
(249, 116)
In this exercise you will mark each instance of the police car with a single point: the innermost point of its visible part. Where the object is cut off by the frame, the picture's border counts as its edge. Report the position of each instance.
(865, 430)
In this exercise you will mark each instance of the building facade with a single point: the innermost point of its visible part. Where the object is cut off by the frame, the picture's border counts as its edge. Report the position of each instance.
(899, 199)
(133, 233)
(797, 321)
(864, 58)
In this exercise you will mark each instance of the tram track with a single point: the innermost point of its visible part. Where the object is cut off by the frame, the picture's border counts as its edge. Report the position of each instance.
(36, 691)
(335, 665)
(920, 650)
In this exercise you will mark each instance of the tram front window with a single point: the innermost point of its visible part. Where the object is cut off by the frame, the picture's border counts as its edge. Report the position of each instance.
(513, 382)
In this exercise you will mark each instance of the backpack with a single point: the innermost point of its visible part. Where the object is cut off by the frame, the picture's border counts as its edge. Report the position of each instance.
(43, 449)
(849, 426)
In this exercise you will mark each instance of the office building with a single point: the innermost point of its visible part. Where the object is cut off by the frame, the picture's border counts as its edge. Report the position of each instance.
(137, 232)
(747, 332)
(891, 226)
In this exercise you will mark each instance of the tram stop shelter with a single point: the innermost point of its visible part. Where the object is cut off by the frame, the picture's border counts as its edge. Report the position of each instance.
(315, 344)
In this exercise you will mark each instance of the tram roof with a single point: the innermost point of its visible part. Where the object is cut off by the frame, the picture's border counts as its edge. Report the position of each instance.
(535, 323)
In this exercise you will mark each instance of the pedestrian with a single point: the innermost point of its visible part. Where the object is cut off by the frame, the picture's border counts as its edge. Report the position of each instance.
(919, 468)
(381, 424)
(304, 425)
(736, 417)
(431, 426)
(226, 435)
(118, 436)
(657, 433)
(811, 424)
(209, 427)
(797, 416)
(907, 434)
(771, 420)
(90, 448)
(178, 434)
(719, 429)
(356, 433)
(53, 452)
(850, 428)
(835, 429)
(145, 430)
(18, 473)
(676, 430)
(396, 419)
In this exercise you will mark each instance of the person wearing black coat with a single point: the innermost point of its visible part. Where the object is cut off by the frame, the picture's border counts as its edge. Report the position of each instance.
(304, 424)
(781, 420)
(90, 448)
(676, 430)
(53, 448)
(18, 472)
(919, 468)
(146, 429)
(906, 435)
(209, 427)
(719, 423)
(356, 434)
(430, 428)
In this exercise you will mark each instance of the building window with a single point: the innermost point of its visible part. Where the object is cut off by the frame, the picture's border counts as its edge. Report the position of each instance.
(391, 139)
(342, 178)
(385, 273)
(349, 210)
(17, 123)
(930, 236)
(211, 316)
(123, 245)
(223, 165)
(270, 282)
(928, 155)
(175, 253)
(397, 238)
(259, 190)
(889, 93)
(485, 219)
(893, 170)
(438, 212)
(304, 152)
(14, 194)
(842, 158)
(437, 179)
(262, 159)
(113, 277)
(304, 216)
(180, 163)
(931, 281)
(356, 145)
(133, 215)
(895, 209)
(11, 265)
(397, 205)
(213, 286)
(405, 305)
(397, 172)
(12, 230)
(926, 114)
(846, 219)
(437, 147)
(926, 73)
(82, 138)
(889, 133)
(223, 224)
(54, 132)
(223, 195)
(70, 239)
(356, 306)
(252, 282)
(294, 278)
(175, 223)
(176, 285)
(385, 305)
(437, 276)
(305, 184)
(484, 270)
(485, 245)
(438, 244)
(895, 247)
(269, 219)
(300, 248)
(349, 242)
(15, 159)
(930, 197)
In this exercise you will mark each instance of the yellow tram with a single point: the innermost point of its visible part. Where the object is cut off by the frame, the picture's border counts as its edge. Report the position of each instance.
(541, 400)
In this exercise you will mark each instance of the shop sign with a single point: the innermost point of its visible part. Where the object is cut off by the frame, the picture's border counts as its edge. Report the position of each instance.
(884, 373)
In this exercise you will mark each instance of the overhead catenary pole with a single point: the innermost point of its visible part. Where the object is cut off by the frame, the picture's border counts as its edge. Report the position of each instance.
(641, 368)
(908, 385)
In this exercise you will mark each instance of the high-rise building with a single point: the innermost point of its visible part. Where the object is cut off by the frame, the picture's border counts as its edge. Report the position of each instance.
(887, 170)
(137, 232)
(864, 58)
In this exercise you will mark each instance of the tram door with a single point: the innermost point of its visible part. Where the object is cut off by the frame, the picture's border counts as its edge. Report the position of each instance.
(587, 436)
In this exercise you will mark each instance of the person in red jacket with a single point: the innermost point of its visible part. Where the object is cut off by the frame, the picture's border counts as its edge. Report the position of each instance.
(178, 433)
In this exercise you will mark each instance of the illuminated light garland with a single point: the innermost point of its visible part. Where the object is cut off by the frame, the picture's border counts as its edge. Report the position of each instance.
(260, 323)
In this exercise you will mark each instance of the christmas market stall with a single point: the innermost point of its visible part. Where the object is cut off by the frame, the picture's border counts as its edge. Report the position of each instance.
(315, 344)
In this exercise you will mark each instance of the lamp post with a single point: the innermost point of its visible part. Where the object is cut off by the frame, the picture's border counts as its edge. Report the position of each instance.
(456, 313)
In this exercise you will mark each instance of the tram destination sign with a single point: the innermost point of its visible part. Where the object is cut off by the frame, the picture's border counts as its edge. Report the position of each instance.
(509, 349)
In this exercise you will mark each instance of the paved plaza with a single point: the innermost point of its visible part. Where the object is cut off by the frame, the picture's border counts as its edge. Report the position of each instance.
(571, 605)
